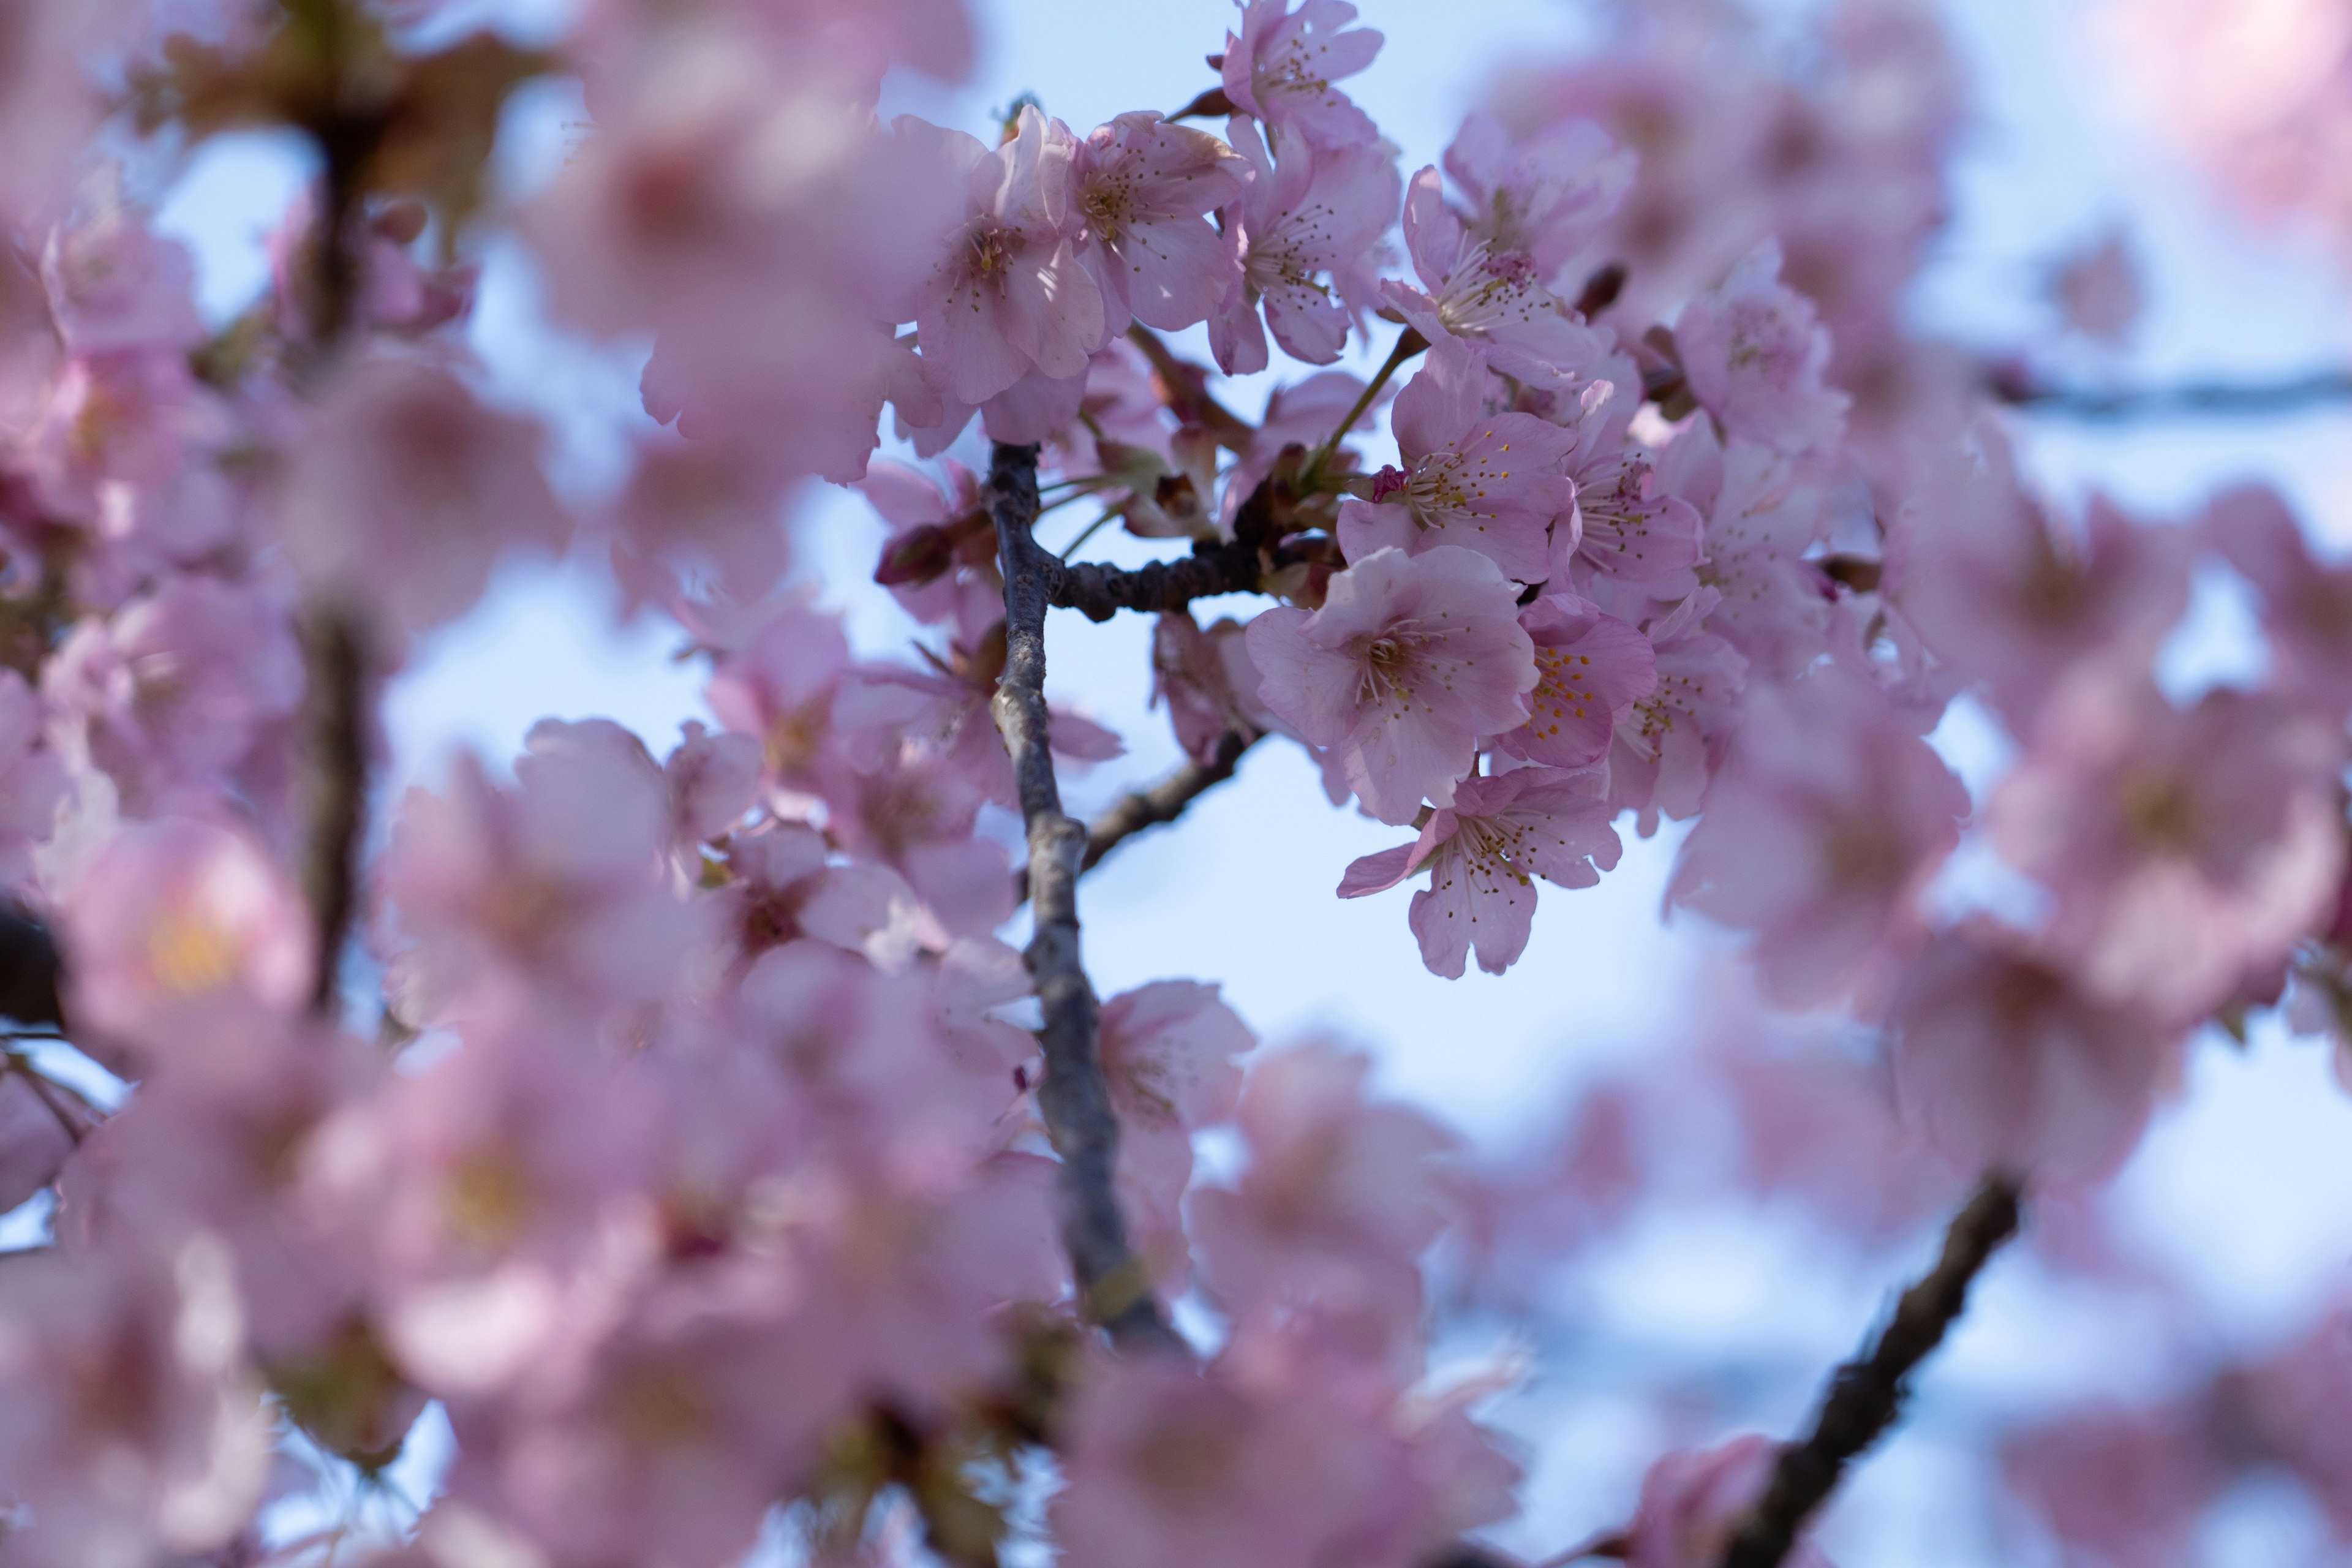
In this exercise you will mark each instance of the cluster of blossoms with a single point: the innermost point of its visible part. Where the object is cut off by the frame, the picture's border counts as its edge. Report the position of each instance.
(706, 1155)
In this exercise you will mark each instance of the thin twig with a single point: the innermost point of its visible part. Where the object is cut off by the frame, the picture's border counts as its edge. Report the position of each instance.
(2186, 401)
(336, 658)
(1160, 803)
(1409, 343)
(1865, 1395)
(1074, 1099)
(347, 125)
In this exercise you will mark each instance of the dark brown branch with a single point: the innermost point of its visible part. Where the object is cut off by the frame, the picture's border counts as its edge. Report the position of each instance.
(2188, 401)
(336, 658)
(1155, 806)
(1165, 802)
(1074, 1099)
(1099, 592)
(1866, 1394)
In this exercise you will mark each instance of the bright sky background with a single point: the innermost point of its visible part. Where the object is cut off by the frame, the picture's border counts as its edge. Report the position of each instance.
(2245, 1183)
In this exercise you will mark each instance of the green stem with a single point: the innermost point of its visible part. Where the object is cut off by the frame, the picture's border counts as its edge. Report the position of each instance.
(1411, 344)
(1088, 533)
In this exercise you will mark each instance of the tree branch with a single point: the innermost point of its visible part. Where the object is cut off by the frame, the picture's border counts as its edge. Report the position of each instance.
(335, 656)
(1100, 592)
(1075, 1101)
(1141, 810)
(1866, 1394)
(2186, 401)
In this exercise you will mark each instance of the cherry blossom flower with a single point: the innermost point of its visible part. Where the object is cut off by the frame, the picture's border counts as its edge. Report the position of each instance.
(1668, 747)
(402, 491)
(1483, 853)
(2116, 1484)
(171, 694)
(2185, 850)
(1489, 482)
(2013, 1068)
(1487, 296)
(1410, 660)
(2308, 607)
(1549, 196)
(1306, 213)
(1341, 1195)
(1820, 831)
(1631, 527)
(133, 1418)
(1280, 69)
(1011, 296)
(1692, 1502)
(560, 881)
(1590, 668)
(1167, 1052)
(112, 282)
(1208, 682)
(2002, 594)
(1763, 516)
(175, 916)
(2099, 290)
(1142, 187)
(1755, 353)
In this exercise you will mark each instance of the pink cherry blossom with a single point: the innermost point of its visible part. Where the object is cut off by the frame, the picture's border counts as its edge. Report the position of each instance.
(1341, 1195)
(1631, 527)
(1668, 747)
(1489, 482)
(1547, 196)
(2015, 1070)
(114, 421)
(133, 1418)
(558, 881)
(170, 696)
(1410, 660)
(1143, 187)
(779, 689)
(1755, 355)
(1010, 296)
(33, 783)
(2005, 593)
(2184, 848)
(1763, 517)
(709, 505)
(1483, 853)
(2100, 291)
(1692, 1502)
(1280, 69)
(1486, 295)
(2116, 1484)
(1590, 668)
(1819, 832)
(176, 916)
(114, 283)
(1208, 682)
(404, 491)
(2308, 607)
(1307, 214)
(1167, 1052)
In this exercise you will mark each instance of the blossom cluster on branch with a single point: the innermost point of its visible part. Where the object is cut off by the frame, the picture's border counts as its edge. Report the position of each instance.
(682, 1125)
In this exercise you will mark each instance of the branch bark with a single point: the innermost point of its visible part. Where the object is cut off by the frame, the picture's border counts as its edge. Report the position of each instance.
(1099, 592)
(1865, 1395)
(2186, 401)
(1074, 1099)
(1141, 810)
(336, 661)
